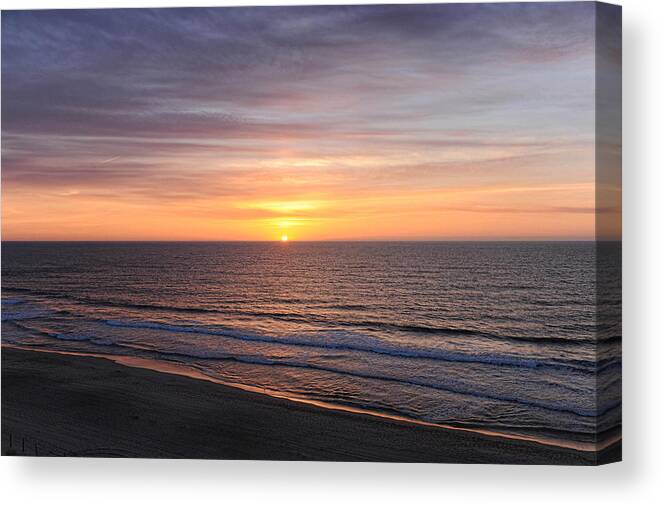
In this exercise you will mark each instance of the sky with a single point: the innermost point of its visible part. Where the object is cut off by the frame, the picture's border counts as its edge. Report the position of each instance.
(411, 122)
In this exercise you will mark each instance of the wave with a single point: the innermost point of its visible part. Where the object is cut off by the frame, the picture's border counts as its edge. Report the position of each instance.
(75, 337)
(375, 347)
(455, 389)
(82, 338)
(373, 344)
(12, 301)
(28, 311)
(448, 388)
(195, 354)
(20, 315)
(312, 318)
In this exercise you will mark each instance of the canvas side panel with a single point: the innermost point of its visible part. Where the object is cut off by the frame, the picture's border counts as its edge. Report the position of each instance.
(608, 228)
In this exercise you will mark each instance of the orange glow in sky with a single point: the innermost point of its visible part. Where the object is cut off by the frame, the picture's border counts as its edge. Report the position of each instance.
(375, 131)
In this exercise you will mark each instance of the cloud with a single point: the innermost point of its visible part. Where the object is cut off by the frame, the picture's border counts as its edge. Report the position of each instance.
(210, 71)
(188, 105)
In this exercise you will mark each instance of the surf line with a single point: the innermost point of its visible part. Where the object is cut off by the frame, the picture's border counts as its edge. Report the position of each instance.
(184, 371)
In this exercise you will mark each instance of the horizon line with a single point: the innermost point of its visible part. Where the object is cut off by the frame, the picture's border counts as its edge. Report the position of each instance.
(308, 241)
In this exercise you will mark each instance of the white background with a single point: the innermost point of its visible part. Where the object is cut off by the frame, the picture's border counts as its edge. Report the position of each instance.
(636, 480)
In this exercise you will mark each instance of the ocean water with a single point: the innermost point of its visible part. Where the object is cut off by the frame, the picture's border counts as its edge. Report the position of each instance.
(494, 336)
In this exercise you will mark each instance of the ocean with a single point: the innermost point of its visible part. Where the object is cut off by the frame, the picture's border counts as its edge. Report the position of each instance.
(490, 336)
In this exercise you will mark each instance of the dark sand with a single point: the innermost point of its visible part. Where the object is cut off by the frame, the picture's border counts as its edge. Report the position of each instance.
(58, 405)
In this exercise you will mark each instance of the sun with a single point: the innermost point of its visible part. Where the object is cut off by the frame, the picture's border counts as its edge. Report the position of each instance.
(284, 238)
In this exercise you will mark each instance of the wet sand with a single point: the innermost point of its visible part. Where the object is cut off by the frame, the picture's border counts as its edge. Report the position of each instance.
(60, 405)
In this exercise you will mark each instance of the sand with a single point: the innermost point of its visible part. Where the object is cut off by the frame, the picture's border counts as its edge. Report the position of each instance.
(61, 405)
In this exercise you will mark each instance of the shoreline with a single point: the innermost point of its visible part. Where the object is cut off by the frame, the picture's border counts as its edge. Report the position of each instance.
(173, 368)
(46, 394)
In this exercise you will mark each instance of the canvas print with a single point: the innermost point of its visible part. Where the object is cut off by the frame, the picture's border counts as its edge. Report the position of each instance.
(340, 233)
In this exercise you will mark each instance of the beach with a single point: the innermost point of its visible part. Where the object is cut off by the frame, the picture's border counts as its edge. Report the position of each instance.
(63, 405)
